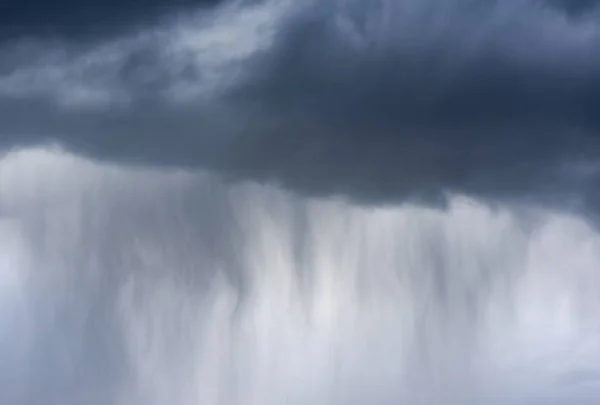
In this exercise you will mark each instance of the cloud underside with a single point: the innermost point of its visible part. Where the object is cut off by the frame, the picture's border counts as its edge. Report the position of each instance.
(375, 100)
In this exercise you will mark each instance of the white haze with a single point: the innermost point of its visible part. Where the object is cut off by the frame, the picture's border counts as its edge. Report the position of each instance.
(140, 287)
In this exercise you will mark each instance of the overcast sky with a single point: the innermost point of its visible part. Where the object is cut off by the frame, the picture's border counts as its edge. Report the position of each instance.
(150, 287)
(132, 272)
(377, 100)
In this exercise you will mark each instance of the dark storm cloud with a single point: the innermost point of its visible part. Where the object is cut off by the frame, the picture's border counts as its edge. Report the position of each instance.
(377, 100)
(576, 7)
(76, 20)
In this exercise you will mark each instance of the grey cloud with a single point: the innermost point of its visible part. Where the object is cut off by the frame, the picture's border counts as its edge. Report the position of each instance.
(576, 8)
(77, 21)
(378, 100)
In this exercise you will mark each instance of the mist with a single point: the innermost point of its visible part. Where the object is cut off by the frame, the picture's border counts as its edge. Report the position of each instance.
(136, 286)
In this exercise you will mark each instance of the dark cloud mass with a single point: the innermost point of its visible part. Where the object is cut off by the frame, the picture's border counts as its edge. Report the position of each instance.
(377, 100)
(576, 7)
(72, 19)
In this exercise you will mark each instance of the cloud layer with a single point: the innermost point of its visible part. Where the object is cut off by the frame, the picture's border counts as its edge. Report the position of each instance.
(375, 100)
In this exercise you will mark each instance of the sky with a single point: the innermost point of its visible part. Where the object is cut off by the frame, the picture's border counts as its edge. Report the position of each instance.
(328, 202)
(132, 286)
(378, 101)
